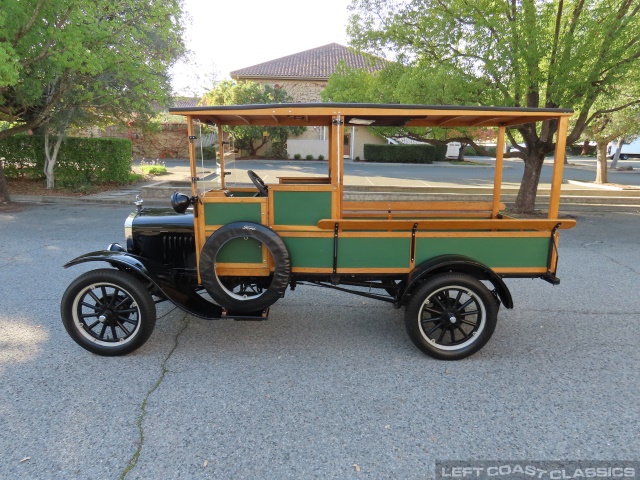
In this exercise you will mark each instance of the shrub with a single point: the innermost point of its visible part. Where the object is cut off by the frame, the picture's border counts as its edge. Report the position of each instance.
(469, 151)
(80, 160)
(278, 150)
(309, 157)
(404, 153)
(209, 152)
(153, 168)
(297, 156)
(320, 157)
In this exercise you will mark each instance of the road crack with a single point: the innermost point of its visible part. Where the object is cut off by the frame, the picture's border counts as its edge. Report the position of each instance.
(133, 461)
(587, 247)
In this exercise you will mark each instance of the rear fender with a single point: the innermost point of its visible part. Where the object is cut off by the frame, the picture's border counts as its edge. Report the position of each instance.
(457, 264)
(185, 298)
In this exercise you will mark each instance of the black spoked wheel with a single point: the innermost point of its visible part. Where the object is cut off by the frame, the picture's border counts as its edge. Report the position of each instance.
(108, 312)
(451, 316)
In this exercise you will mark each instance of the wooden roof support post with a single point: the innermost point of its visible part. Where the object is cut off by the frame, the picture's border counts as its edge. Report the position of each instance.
(336, 162)
(497, 183)
(558, 165)
(221, 151)
(329, 139)
(192, 155)
(335, 150)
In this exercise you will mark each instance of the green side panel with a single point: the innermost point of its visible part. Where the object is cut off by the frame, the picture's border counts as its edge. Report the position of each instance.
(493, 252)
(223, 213)
(374, 252)
(310, 252)
(301, 208)
(240, 250)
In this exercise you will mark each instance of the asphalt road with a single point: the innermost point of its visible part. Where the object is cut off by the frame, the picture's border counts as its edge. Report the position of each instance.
(329, 387)
(582, 169)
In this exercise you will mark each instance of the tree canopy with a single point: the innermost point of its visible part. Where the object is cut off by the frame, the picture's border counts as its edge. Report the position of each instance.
(251, 138)
(552, 54)
(104, 58)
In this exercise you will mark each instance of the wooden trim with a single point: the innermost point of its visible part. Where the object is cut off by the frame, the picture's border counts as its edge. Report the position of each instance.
(311, 270)
(334, 149)
(229, 270)
(270, 208)
(497, 181)
(445, 224)
(449, 120)
(336, 202)
(192, 156)
(516, 270)
(304, 180)
(558, 164)
(278, 187)
(224, 199)
(221, 152)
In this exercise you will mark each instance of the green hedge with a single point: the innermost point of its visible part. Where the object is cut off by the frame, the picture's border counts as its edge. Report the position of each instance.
(404, 153)
(80, 160)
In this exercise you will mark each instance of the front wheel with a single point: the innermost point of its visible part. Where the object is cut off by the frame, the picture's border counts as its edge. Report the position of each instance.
(451, 316)
(108, 312)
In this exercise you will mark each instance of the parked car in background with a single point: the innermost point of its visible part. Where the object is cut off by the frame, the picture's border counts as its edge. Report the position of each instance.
(628, 150)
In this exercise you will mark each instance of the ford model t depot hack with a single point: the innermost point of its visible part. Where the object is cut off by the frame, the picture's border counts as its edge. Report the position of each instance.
(231, 252)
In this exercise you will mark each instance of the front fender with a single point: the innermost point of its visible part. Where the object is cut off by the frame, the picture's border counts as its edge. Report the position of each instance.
(460, 264)
(183, 296)
(115, 258)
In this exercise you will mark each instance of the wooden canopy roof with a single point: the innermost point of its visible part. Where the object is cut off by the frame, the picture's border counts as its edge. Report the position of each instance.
(376, 115)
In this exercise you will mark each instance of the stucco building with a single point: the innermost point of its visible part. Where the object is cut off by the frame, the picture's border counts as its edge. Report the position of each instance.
(304, 75)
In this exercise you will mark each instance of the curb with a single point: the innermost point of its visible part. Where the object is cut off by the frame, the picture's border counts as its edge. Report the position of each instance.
(582, 203)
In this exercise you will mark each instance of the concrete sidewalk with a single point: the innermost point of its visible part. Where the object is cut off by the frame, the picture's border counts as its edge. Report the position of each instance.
(405, 182)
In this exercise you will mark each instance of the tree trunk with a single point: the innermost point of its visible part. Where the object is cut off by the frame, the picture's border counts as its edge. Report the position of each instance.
(601, 164)
(616, 155)
(50, 158)
(461, 152)
(526, 199)
(585, 148)
(4, 188)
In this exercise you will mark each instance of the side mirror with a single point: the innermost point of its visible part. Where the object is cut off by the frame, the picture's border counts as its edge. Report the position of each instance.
(180, 202)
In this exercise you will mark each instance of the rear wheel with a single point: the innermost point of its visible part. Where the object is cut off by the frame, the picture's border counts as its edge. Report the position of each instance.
(451, 316)
(108, 312)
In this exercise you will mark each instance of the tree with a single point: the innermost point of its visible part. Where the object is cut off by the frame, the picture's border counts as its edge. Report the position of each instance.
(106, 58)
(610, 126)
(553, 54)
(251, 138)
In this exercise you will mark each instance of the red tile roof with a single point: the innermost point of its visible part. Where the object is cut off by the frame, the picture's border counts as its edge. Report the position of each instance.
(181, 102)
(315, 64)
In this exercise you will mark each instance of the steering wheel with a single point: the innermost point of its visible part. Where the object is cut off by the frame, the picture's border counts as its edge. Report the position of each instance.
(259, 183)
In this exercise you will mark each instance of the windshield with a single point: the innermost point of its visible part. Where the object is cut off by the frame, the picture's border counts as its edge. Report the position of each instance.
(209, 167)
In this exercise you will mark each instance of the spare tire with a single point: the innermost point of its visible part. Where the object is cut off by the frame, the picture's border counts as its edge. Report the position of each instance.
(221, 291)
